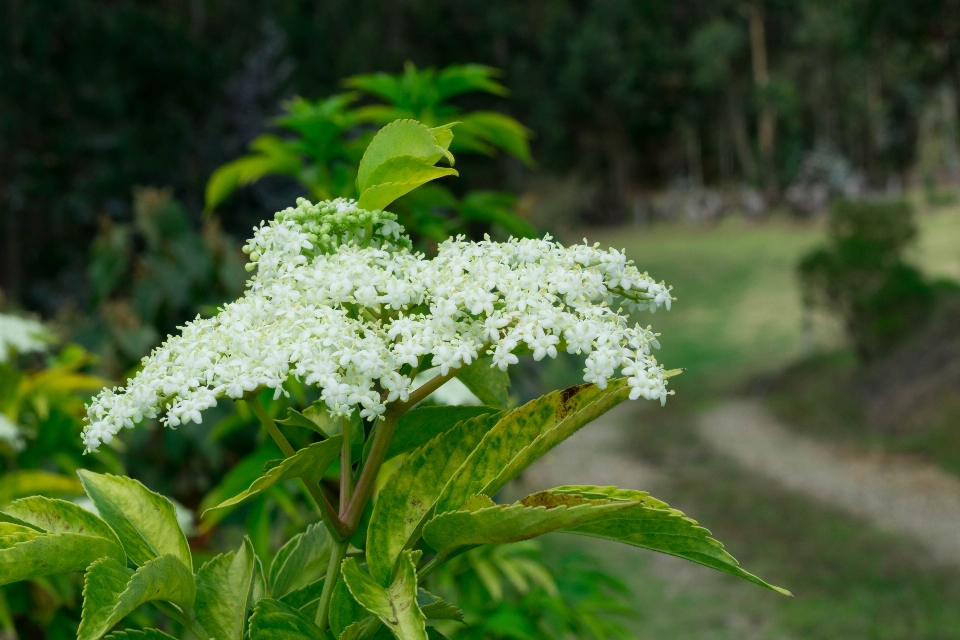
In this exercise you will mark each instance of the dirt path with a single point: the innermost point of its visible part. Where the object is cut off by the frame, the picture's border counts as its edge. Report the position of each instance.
(893, 493)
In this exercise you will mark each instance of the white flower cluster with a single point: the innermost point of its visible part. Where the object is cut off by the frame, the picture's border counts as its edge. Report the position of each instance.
(341, 302)
(19, 335)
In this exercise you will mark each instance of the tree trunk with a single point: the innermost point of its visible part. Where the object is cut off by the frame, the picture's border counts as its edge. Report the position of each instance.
(741, 137)
(767, 114)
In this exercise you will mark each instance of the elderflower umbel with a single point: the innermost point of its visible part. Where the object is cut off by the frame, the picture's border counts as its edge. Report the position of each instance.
(20, 335)
(341, 302)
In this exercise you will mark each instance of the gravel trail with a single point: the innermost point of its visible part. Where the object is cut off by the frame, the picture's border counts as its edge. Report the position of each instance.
(892, 492)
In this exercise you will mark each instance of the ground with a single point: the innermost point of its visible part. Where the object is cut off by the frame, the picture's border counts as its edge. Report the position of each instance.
(865, 539)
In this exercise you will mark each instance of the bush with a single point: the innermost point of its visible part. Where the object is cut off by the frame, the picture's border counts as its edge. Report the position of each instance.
(862, 274)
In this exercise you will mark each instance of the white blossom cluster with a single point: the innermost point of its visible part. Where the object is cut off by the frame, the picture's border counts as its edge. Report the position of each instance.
(341, 302)
(20, 335)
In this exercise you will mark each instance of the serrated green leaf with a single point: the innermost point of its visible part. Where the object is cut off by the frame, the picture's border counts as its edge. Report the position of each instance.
(420, 426)
(145, 634)
(224, 592)
(301, 599)
(60, 516)
(533, 516)
(655, 526)
(399, 138)
(111, 591)
(488, 383)
(523, 435)
(436, 608)
(145, 522)
(21, 483)
(273, 620)
(26, 553)
(344, 609)
(395, 606)
(301, 561)
(408, 497)
(309, 463)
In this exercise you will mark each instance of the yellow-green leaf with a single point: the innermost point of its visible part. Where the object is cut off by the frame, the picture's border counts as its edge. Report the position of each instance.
(396, 606)
(112, 591)
(21, 483)
(225, 587)
(145, 522)
(408, 497)
(27, 553)
(524, 435)
(301, 561)
(533, 516)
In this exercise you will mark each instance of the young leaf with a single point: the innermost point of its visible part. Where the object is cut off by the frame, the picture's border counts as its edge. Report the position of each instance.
(396, 606)
(488, 383)
(407, 498)
(111, 591)
(397, 177)
(273, 620)
(145, 522)
(26, 553)
(309, 463)
(301, 561)
(418, 427)
(60, 516)
(533, 516)
(400, 138)
(224, 592)
(523, 435)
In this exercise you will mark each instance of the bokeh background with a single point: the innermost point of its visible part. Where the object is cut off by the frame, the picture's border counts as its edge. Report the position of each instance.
(790, 167)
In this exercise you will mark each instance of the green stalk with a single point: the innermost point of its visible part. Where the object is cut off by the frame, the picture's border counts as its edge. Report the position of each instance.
(337, 555)
(346, 465)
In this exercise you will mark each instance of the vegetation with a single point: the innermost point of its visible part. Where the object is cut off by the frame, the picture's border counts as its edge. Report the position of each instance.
(429, 509)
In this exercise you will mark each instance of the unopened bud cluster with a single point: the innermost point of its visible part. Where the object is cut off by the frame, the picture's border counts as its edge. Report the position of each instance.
(341, 302)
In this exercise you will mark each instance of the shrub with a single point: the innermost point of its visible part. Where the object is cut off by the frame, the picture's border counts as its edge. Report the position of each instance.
(862, 275)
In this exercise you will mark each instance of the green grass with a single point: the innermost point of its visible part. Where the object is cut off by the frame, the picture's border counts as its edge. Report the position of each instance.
(738, 303)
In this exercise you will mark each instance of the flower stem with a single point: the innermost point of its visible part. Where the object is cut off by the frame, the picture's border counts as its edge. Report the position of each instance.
(346, 465)
(337, 554)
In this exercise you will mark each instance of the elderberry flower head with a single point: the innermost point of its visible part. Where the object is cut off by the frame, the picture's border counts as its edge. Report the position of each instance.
(20, 335)
(341, 302)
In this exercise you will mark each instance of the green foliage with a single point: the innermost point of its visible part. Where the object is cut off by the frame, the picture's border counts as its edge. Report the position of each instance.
(145, 521)
(330, 151)
(437, 504)
(396, 605)
(226, 590)
(862, 275)
(309, 463)
(508, 592)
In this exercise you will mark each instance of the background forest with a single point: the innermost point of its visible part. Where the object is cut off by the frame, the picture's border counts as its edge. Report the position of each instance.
(791, 167)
